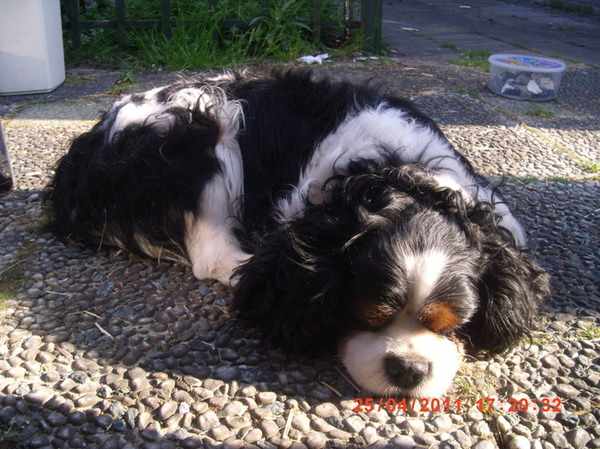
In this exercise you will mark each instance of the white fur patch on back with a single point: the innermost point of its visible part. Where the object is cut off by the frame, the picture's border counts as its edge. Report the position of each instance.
(371, 132)
(368, 134)
(152, 112)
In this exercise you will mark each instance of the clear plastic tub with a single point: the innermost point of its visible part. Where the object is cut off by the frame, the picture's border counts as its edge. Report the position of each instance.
(525, 77)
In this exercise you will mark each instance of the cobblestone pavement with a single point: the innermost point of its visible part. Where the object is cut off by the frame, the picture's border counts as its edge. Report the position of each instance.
(99, 349)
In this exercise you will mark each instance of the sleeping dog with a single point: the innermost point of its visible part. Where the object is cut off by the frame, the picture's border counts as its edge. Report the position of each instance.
(342, 217)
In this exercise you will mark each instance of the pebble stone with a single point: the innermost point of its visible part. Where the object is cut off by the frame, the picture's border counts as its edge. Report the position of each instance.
(16, 372)
(484, 444)
(519, 442)
(315, 440)
(354, 424)
(40, 396)
(326, 410)
(578, 437)
(566, 391)
(301, 423)
(56, 419)
(167, 410)
(101, 349)
(442, 423)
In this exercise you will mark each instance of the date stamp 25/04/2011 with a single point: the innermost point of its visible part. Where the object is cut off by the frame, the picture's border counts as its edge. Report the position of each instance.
(510, 405)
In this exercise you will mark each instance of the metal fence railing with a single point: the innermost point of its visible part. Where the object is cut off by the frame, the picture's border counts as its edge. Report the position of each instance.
(362, 15)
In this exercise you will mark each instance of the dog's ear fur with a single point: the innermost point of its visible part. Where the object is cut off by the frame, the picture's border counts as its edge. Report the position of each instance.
(293, 287)
(296, 285)
(511, 288)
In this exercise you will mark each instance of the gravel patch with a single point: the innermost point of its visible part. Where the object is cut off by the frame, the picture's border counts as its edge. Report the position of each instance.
(100, 349)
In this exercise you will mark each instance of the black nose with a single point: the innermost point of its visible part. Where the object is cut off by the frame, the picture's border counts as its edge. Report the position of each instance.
(406, 373)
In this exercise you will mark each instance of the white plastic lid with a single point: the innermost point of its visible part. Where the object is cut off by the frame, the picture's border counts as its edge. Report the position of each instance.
(527, 62)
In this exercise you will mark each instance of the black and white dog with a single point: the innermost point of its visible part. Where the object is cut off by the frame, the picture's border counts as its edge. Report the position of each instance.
(343, 218)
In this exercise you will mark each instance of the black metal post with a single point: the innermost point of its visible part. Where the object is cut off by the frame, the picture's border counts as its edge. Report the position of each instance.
(165, 17)
(371, 12)
(7, 180)
(120, 7)
(316, 21)
(73, 6)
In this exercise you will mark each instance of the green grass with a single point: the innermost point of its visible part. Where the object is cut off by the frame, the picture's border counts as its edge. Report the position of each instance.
(564, 5)
(591, 167)
(448, 45)
(8, 437)
(588, 333)
(11, 279)
(574, 28)
(469, 92)
(81, 79)
(541, 113)
(473, 58)
(275, 36)
(472, 383)
(561, 179)
(198, 40)
(563, 58)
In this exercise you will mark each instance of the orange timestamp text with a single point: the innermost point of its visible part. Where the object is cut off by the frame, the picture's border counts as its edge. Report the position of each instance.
(510, 405)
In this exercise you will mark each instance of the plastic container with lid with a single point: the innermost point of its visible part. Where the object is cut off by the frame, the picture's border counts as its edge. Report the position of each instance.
(525, 77)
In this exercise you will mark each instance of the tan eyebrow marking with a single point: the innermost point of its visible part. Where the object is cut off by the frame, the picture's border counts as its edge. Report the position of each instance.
(374, 315)
(439, 316)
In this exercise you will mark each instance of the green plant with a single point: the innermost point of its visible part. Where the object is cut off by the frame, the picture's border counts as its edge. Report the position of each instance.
(472, 382)
(588, 333)
(11, 278)
(564, 5)
(474, 58)
(469, 92)
(8, 437)
(352, 47)
(541, 113)
(561, 179)
(212, 34)
(592, 167)
(97, 47)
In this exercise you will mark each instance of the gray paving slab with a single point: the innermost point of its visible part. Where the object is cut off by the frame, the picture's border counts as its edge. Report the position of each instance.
(430, 32)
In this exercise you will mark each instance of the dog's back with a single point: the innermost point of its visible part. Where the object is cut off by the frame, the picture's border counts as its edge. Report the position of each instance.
(137, 179)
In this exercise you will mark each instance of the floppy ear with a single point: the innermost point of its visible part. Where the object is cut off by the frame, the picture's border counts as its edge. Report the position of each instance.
(293, 286)
(511, 287)
(296, 286)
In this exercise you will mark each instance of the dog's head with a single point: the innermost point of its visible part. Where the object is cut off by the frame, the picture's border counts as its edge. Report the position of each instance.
(395, 272)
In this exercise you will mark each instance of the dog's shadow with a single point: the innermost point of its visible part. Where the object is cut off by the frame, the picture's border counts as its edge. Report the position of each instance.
(148, 330)
(126, 312)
